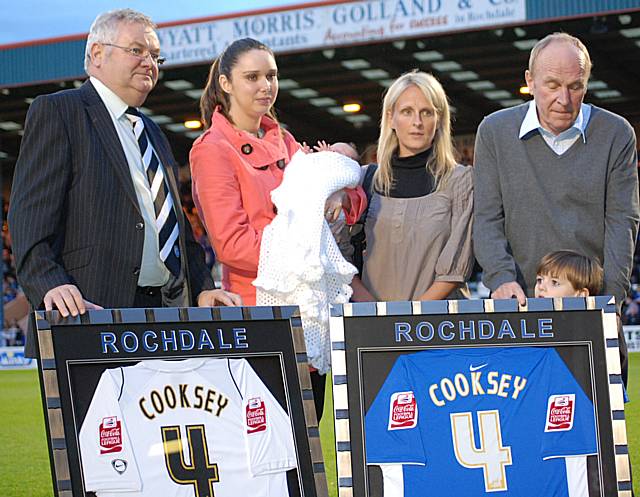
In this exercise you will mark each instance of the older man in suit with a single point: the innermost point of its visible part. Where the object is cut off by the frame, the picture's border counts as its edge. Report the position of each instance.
(95, 212)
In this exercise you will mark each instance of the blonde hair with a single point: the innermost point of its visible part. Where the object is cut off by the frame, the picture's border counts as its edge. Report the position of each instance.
(442, 159)
(581, 271)
(585, 59)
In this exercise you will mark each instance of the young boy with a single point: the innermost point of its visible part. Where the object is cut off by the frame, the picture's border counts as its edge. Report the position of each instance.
(566, 273)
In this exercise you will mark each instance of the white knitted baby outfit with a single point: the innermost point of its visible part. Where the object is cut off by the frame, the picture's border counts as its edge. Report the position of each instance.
(300, 262)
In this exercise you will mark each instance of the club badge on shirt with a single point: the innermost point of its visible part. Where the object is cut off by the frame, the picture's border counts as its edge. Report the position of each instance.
(110, 435)
(560, 411)
(256, 415)
(403, 411)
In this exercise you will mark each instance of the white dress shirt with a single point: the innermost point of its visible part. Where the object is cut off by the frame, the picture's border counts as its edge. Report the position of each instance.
(562, 142)
(153, 271)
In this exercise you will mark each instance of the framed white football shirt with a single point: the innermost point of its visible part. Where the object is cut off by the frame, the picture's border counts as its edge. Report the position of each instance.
(198, 427)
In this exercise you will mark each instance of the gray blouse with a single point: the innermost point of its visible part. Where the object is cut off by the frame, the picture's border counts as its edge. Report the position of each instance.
(412, 242)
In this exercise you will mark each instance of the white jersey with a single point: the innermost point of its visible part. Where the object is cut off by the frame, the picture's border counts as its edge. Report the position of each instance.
(193, 428)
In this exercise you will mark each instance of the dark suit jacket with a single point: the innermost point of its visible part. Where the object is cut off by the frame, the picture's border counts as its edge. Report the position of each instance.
(74, 216)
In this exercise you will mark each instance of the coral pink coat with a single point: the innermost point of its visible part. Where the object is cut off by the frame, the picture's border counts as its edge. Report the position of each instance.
(233, 174)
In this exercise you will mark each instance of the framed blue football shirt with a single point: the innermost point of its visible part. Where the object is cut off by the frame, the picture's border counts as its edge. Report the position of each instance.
(504, 421)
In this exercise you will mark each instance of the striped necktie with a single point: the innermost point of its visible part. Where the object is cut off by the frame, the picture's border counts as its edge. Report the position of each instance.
(166, 220)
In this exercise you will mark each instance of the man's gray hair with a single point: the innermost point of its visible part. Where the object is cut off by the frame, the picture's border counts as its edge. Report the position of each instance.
(104, 28)
(585, 61)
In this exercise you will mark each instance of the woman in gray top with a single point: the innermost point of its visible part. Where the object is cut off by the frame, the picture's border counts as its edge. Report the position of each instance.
(418, 224)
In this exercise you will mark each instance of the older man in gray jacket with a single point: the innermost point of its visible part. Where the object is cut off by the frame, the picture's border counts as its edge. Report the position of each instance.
(553, 174)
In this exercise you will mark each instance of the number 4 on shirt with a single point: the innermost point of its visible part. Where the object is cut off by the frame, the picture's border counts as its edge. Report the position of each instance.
(491, 456)
(201, 473)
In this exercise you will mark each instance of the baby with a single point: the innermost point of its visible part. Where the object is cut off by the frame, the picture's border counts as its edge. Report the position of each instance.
(346, 149)
(340, 148)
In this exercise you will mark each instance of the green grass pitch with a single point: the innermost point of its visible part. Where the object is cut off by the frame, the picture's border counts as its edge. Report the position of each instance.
(24, 462)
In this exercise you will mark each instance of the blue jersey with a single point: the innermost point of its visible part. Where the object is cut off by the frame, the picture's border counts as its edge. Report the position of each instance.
(504, 421)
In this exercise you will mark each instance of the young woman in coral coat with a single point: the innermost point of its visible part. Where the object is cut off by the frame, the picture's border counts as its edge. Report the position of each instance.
(240, 159)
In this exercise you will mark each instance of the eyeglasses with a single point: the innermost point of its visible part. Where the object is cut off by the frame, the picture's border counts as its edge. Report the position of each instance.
(140, 53)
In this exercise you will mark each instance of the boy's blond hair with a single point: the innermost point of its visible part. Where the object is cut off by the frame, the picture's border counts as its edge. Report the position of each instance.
(581, 271)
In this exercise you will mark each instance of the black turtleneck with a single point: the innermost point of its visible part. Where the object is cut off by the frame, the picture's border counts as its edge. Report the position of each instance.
(410, 176)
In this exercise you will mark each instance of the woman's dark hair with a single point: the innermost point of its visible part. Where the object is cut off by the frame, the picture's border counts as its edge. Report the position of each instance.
(213, 94)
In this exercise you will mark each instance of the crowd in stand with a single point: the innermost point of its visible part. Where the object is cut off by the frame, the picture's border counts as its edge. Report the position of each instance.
(631, 308)
(11, 333)
(9, 283)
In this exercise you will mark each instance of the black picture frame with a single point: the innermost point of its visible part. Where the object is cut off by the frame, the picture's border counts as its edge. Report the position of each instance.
(75, 351)
(367, 338)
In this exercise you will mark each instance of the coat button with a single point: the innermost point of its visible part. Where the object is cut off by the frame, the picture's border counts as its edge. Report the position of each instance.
(139, 226)
(136, 271)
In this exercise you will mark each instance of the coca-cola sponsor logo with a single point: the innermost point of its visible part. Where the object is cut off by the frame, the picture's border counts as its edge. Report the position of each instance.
(110, 431)
(403, 411)
(256, 415)
(560, 412)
